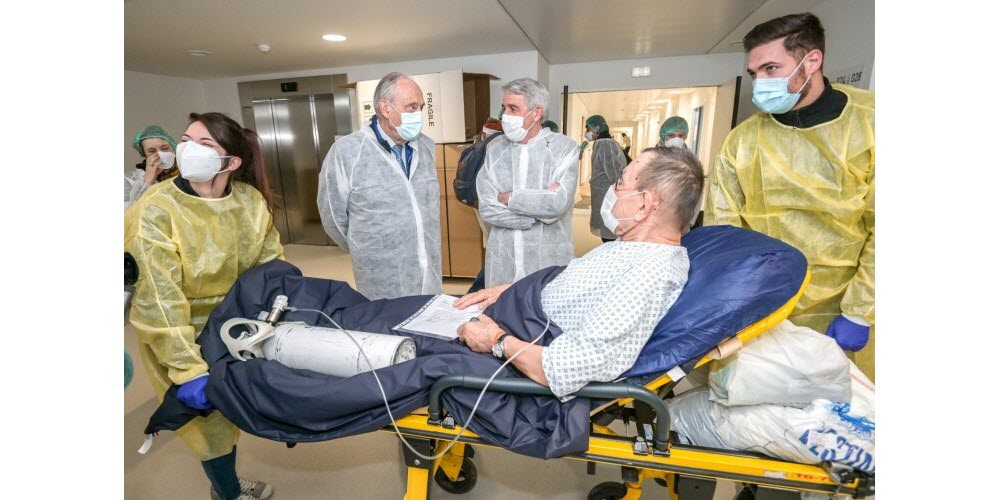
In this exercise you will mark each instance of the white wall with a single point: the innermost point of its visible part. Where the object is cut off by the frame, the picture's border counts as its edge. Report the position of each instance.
(574, 129)
(665, 72)
(222, 95)
(850, 35)
(158, 100)
(850, 42)
(543, 74)
(704, 97)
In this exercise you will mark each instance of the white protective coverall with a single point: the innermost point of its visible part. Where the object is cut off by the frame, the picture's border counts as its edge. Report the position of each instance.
(390, 224)
(535, 229)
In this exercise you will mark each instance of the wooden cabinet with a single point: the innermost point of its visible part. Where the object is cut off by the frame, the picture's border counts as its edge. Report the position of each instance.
(461, 236)
(445, 248)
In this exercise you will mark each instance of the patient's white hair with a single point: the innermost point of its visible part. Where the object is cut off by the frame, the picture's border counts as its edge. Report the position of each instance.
(677, 176)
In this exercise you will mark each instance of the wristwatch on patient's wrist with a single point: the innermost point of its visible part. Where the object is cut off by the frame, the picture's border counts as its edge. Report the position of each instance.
(498, 346)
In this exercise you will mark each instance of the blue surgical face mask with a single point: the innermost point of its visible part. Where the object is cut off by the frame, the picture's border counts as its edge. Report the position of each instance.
(410, 124)
(771, 95)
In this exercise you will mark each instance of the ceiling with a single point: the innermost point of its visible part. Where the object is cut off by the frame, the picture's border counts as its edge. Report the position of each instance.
(568, 31)
(158, 33)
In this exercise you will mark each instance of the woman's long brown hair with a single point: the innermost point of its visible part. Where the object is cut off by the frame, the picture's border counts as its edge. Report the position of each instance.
(245, 144)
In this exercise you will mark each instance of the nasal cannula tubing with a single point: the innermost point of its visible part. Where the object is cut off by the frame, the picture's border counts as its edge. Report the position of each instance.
(385, 398)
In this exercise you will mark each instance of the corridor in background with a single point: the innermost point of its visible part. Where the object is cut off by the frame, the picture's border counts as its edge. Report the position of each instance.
(709, 111)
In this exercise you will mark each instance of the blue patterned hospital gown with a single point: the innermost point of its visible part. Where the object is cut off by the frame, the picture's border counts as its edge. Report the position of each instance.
(607, 304)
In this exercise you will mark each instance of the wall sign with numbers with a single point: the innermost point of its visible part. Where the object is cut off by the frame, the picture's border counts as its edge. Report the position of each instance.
(852, 76)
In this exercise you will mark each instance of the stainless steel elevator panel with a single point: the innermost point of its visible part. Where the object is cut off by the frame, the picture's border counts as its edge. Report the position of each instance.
(297, 129)
(343, 100)
(327, 125)
(290, 140)
(248, 118)
(264, 122)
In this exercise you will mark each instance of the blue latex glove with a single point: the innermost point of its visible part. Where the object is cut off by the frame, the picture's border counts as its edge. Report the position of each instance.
(192, 393)
(129, 369)
(850, 333)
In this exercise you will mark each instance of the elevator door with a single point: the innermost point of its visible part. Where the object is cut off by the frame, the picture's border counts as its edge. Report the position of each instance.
(296, 133)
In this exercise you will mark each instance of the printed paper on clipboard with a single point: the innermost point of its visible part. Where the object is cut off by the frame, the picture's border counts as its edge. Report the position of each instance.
(439, 318)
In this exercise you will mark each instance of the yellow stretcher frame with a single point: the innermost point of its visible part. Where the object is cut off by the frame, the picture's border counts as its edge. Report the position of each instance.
(693, 464)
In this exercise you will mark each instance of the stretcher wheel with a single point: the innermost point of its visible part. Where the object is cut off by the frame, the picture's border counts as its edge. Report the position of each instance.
(608, 491)
(466, 478)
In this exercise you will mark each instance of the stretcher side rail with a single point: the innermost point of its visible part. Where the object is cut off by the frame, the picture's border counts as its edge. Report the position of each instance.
(688, 461)
(661, 437)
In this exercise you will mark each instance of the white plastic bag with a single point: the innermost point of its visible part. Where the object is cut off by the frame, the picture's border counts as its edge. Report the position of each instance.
(822, 431)
(787, 365)
(693, 417)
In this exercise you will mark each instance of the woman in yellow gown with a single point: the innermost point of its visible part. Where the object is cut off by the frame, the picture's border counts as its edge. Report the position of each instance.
(192, 237)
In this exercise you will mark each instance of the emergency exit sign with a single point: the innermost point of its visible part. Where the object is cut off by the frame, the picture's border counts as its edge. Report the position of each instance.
(640, 71)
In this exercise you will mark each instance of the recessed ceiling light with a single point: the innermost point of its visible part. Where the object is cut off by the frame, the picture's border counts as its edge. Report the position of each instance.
(199, 53)
(334, 38)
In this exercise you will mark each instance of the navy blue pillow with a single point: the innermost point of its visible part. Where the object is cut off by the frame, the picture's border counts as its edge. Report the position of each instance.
(737, 278)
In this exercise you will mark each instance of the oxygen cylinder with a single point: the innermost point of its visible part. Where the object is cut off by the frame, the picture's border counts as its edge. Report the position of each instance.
(331, 352)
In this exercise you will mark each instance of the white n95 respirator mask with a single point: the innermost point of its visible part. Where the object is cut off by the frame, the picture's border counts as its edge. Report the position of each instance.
(198, 163)
(676, 142)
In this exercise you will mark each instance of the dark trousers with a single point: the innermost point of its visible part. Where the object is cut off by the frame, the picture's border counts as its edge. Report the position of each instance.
(221, 472)
(480, 282)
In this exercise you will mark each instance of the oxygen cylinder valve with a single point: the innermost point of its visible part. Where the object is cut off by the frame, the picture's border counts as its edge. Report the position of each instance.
(277, 309)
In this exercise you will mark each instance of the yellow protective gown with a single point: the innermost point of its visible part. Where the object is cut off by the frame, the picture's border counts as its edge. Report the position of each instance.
(190, 251)
(813, 188)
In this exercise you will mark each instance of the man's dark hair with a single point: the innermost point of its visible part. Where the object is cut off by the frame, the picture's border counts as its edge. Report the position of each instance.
(802, 33)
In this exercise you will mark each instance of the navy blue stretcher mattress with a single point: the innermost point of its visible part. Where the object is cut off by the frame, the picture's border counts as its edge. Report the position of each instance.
(737, 277)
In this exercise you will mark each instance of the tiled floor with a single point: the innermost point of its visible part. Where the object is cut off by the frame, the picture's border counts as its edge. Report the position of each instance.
(360, 467)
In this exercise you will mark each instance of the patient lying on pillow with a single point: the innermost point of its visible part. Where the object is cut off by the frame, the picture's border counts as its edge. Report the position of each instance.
(608, 301)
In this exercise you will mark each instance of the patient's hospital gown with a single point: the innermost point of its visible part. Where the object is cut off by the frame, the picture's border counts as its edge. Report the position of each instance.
(607, 304)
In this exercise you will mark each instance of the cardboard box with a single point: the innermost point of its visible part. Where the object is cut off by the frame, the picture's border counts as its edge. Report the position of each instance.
(457, 104)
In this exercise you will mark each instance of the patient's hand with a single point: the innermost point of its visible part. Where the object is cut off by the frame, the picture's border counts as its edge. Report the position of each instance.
(485, 297)
(479, 335)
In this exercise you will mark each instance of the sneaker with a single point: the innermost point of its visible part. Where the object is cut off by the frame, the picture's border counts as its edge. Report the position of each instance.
(249, 490)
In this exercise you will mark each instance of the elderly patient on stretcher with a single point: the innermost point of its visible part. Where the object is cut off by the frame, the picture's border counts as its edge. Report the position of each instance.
(608, 301)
